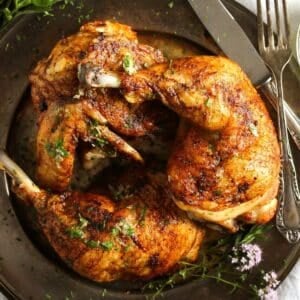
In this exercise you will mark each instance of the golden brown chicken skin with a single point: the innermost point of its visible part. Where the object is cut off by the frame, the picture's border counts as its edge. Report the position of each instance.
(56, 89)
(227, 163)
(142, 236)
(117, 51)
(61, 128)
(106, 44)
(55, 77)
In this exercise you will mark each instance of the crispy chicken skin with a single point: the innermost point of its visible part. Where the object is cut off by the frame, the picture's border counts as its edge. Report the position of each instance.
(227, 163)
(117, 51)
(57, 93)
(104, 44)
(55, 77)
(142, 236)
(61, 129)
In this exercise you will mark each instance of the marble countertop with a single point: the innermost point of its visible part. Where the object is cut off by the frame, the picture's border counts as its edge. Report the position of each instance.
(290, 288)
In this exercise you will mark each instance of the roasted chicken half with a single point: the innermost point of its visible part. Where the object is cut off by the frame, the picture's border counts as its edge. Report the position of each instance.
(142, 236)
(226, 164)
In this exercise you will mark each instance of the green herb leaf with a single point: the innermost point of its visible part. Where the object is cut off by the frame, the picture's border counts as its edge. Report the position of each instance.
(115, 231)
(217, 193)
(121, 191)
(208, 102)
(212, 264)
(93, 244)
(56, 150)
(95, 134)
(129, 64)
(11, 9)
(75, 232)
(107, 245)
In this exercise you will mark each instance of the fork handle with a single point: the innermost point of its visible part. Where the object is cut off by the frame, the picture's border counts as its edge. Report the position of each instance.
(293, 122)
(288, 215)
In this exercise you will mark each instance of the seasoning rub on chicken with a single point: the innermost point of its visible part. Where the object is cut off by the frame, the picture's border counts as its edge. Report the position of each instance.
(68, 110)
(225, 167)
(142, 236)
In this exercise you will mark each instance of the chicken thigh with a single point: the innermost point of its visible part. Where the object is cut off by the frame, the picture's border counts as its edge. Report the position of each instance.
(226, 165)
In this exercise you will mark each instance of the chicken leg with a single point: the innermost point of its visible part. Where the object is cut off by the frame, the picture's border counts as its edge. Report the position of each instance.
(141, 236)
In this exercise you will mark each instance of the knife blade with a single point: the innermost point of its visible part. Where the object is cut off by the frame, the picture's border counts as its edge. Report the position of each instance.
(231, 38)
(233, 41)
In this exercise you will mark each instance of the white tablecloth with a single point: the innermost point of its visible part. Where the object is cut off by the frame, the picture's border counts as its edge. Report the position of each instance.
(290, 288)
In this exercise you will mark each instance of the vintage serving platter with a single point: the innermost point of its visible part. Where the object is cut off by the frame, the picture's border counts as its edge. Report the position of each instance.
(27, 269)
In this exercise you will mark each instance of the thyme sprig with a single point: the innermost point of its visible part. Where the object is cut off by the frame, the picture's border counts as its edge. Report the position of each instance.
(212, 264)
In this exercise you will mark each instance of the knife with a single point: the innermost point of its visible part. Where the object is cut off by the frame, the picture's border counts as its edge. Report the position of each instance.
(227, 33)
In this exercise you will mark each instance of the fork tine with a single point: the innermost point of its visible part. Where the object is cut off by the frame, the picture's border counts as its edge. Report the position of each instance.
(286, 23)
(270, 27)
(278, 26)
(260, 27)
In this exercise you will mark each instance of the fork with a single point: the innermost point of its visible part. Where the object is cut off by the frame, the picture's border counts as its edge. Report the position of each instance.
(275, 50)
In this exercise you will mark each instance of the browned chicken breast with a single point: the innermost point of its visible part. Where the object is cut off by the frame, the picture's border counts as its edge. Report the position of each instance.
(142, 236)
(226, 165)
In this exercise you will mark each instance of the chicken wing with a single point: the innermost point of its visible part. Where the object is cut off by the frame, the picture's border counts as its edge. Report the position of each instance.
(142, 236)
(60, 130)
(227, 164)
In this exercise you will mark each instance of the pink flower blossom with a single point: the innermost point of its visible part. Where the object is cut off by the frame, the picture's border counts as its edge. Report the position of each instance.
(267, 291)
(246, 256)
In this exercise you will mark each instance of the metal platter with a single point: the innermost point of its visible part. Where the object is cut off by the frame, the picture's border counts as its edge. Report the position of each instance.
(29, 271)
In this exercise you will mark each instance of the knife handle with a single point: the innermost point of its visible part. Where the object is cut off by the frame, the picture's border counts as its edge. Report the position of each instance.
(293, 121)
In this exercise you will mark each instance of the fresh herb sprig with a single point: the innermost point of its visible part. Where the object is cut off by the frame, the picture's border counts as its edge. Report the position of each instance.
(9, 9)
(212, 263)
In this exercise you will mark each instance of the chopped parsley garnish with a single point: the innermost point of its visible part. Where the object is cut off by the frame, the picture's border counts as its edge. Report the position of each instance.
(121, 191)
(95, 134)
(129, 64)
(208, 102)
(56, 150)
(77, 231)
(93, 244)
(217, 193)
(115, 231)
(123, 228)
(107, 245)
(126, 229)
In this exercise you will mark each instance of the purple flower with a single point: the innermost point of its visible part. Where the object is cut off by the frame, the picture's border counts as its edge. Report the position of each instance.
(269, 283)
(245, 256)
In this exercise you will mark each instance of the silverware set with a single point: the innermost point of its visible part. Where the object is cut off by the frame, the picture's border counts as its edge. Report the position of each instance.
(274, 47)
